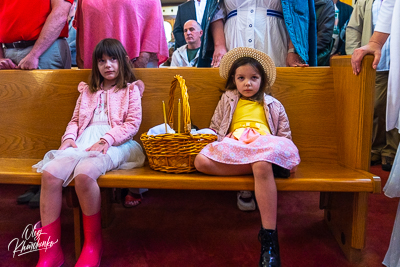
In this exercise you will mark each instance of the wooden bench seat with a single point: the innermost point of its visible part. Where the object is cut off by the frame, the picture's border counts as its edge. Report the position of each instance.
(329, 178)
(330, 112)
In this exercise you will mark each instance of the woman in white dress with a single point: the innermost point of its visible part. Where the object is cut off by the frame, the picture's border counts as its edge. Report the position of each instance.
(257, 24)
(388, 24)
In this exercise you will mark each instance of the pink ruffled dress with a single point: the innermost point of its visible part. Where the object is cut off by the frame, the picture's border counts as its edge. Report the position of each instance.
(253, 147)
(67, 164)
(249, 144)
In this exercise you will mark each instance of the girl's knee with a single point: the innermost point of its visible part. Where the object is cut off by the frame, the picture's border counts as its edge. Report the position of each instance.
(84, 183)
(262, 167)
(201, 162)
(262, 164)
(87, 168)
(49, 181)
(83, 180)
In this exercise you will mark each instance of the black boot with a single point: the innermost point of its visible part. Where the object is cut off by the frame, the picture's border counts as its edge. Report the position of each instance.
(269, 248)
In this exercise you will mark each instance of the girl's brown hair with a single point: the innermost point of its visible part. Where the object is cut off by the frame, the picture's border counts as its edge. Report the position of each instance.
(264, 84)
(112, 48)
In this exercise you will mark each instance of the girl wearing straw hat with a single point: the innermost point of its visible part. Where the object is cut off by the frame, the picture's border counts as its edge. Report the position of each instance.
(254, 135)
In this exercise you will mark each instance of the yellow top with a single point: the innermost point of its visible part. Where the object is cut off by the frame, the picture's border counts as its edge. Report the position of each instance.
(249, 114)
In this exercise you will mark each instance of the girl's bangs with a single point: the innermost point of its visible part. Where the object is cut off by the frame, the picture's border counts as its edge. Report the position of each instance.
(109, 50)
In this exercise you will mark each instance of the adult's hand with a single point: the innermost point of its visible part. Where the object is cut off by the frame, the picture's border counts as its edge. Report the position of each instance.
(142, 60)
(294, 60)
(373, 47)
(67, 143)
(219, 52)
(55, 22)
(101, 146)
(30, 62)
(6, 63)
(359, 53)
(217, 30)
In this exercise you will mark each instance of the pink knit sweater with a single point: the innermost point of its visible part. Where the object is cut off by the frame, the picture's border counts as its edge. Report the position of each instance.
(138, 25)
(124, 113)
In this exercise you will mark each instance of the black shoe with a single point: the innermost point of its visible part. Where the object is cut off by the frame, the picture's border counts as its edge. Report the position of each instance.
(387, 163)
(269, 248)
(35, 201)
(375, 159)
(28, 195)
(375, 162)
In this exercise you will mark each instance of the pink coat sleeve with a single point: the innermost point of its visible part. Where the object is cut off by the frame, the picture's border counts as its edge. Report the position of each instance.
(126, 130)
(217, 119)
(72, 128)
(283, 128)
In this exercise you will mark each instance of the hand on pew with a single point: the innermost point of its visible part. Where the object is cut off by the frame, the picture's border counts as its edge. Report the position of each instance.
(30, 62)
(374, 47)
(219, 52)
(294, 60)
(6, 63)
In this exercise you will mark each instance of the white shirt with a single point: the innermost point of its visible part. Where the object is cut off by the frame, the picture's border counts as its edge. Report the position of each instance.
(180, 58)
(252, 27)
(384, 63)
(200, 6)
(390, 15)
(385, 18)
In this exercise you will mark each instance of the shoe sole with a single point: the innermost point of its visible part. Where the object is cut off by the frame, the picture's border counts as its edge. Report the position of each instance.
(246, 206)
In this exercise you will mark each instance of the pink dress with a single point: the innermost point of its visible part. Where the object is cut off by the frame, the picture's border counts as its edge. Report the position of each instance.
(137, 24)
(251, 146)
(67, 164)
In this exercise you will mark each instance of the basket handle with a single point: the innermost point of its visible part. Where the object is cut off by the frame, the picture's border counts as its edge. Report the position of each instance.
(185, 103)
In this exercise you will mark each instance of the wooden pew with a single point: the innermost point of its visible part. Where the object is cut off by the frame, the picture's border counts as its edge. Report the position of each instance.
(330, 112)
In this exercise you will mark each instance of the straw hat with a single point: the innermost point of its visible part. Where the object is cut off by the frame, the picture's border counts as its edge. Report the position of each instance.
(229, 58)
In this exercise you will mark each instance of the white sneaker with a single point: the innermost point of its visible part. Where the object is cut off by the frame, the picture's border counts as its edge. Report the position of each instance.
(245, 201)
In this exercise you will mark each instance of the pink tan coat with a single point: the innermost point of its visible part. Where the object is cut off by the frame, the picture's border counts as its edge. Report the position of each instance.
(124, 113)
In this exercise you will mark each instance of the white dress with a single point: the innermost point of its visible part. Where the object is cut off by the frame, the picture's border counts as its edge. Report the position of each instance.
(388, 22)
(392, 189)
(67, 164)
(258, 24)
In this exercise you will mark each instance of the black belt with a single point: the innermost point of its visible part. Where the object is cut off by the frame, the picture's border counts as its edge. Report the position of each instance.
(19, 44)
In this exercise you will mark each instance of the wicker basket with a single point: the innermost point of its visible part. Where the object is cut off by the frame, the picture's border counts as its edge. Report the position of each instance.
(175, 153)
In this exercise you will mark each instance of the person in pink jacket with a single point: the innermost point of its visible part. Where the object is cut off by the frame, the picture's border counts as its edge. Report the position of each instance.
(98, 139)
(254, 137)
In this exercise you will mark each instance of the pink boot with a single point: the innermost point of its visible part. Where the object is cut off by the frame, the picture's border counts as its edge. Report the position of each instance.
(93, 245)
(48, 238)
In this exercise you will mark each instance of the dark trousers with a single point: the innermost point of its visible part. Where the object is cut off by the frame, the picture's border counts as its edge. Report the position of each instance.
(383, 143)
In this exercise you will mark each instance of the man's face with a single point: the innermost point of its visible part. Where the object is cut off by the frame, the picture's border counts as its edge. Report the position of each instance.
(192, 32)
